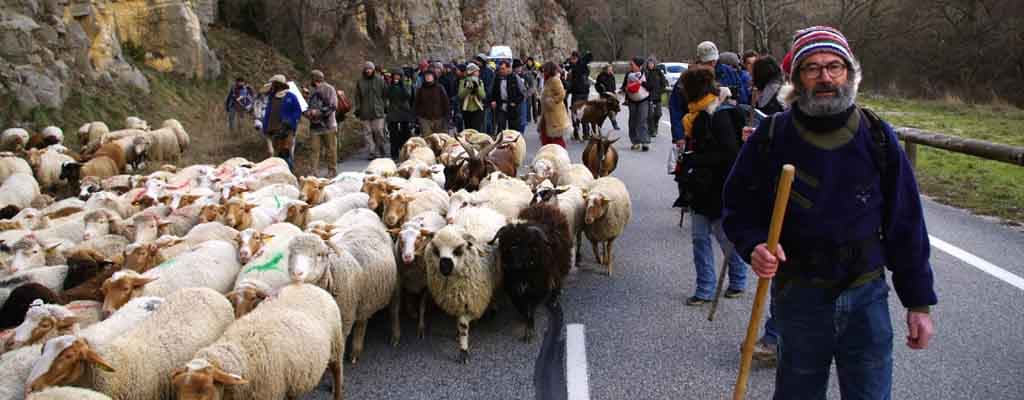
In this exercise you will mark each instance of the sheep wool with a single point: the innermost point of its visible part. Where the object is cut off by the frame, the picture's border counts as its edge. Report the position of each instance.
(282, 348)
(10, 165)
(15, 367)
(67, 393)
(213, 265)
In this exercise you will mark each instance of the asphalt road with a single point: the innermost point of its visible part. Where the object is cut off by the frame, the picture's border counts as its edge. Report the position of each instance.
(644, 343)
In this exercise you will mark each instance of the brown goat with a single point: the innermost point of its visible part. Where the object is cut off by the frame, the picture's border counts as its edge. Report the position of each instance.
(594, 112)
(600, 156)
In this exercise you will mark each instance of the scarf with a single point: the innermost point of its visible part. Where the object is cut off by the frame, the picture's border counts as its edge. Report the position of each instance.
(823, 124)
(695, 108)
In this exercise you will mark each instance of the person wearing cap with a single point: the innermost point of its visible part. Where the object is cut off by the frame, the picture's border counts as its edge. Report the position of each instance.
(854, 212)
(474, 96)
(656, 76)
(323, 127)
(281, 119)
(431, 106)
(506, 96)
(732, 60)
(400, 117)
(370, 107)
(579, 88)
(707, 55)
(238, 102)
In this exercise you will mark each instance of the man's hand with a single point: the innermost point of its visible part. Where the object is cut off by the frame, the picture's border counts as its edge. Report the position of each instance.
(494, 104)
(764, 263)
(747, 131)
(920, 330)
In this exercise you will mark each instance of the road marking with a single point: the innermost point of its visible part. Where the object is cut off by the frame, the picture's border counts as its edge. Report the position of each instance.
(978, 262)
(576, 377)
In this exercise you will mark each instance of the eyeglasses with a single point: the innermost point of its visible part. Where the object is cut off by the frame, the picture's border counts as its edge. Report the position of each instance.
(813, 71)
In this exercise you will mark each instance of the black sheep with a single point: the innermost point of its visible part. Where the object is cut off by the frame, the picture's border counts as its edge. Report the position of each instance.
(12, 313)
(535, 256)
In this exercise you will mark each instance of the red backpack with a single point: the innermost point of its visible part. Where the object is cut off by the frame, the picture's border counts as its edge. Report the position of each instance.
(344, 104)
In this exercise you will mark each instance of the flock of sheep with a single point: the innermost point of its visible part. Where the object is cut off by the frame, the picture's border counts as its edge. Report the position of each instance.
(243, 281)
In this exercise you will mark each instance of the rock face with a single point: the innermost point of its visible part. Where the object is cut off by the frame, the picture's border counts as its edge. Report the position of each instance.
(446, 29)
(49, 46)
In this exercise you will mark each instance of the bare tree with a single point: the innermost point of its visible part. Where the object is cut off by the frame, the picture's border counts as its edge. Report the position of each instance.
(764, 18)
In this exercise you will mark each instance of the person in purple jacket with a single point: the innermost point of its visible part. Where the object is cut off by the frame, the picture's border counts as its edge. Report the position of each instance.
(854, 211)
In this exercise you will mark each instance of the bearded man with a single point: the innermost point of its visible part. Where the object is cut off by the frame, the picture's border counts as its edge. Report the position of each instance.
(854, 209)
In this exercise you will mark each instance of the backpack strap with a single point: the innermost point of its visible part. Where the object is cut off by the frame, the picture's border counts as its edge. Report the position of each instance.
(879, 138)
(766, 146)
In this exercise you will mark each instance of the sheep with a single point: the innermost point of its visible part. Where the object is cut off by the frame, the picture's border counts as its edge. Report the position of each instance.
(401, 204)
(576, 174)
(127, 151)
(122, 205)
(451, 153)
(15, 367)
(171, 246)
(64, 208)
(411, 240)
(100, 167)
(550, 160)
(16, 193)
(47, 165)
(302, 214)
(281, 349)
(10, 165)
(360, 273)
(213, 265)
(52, 277)
(439, 142)
(478, 141)
(272, 196)
(519, 142)
(423, 154)
(144, 357)
(265, 261)
(91, 133)
(535, 256)
(503, 156)
(569, 200)
(608, 211)
(378, 189)
(45, 321)
(49, 136)
(67, 393)
(19, 302)
(30, 252)
(99, 222)
(462, 275)
(413, 168)
(383, 167)
(507, 196)
(410, 145)
(241, 215)
(13, 139)
(183, 139)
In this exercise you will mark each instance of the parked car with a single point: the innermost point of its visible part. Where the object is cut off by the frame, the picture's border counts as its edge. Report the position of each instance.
(673, 71)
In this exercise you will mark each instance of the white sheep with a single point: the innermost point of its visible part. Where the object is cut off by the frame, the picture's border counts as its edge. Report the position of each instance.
(31, 252)
(507, 196)
(576, 174)
(550, 160)
(360, 272)
(122, 205)
(15, 367)
(10, 165)
(47, 165)
(516, 137)
(144, 357)
(405, 203)
(43, 322)
(302, 214)
(265, 257)
(133, 122)
(13, 139)
(91, 133)
(609, 210)
(67, 393)
(16, 193)
(99, 334)
(280, 350)
(52, 277)
(384, 167)
(212, 264)
(63, 208)
(463, 275)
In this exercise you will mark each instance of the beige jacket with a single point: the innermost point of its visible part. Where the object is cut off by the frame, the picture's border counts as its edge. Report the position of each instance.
(556, 116)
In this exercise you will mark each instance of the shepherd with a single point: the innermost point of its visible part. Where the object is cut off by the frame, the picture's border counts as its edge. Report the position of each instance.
(854, 209)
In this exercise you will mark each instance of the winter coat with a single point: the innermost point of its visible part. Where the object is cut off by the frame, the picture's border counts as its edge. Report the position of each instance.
(677, 108)
(531, 81)
(487, 76)
(450, 83)
(605, 83)
(646, 84)
(473, 94)
(715, 147)
(399, 99)
(768, 101)
(514, 88)
(324, 99)
(657, 80)
(369, 99)
(730, 77)
(239, 99)
(579, 75)
(555, 115)
(431, 102)
(291, 111)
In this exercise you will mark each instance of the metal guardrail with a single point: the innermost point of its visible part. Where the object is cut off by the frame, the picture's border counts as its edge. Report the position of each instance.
(911, 137)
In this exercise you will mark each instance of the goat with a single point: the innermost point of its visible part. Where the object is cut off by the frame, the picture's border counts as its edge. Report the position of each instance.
(594, 112)
(600, 156)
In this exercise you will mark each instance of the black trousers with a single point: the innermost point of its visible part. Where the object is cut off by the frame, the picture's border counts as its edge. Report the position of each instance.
(507, 119)
(473, 120)
(399, 132)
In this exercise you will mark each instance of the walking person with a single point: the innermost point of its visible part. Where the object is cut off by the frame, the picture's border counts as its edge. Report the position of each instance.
(638, 92)
(281, 119)
(855, 209)
(579, 88)
(323, 127)
(554, 123)
(524, 106)
(431, 106)
(506, 96)
(370, 107)
(658, 82)
(606, 85)
(487, 77)
(712, 144)
(727, 76)
(238, 103)
(400, 117)
(474, 96)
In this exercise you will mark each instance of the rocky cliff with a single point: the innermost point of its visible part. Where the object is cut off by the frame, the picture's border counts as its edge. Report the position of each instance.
(49, 46)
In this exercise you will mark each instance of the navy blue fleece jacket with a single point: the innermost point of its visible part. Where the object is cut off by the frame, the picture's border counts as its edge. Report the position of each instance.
(837, 198)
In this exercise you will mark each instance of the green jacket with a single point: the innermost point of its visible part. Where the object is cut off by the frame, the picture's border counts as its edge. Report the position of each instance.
(369, 100)
(472, 93)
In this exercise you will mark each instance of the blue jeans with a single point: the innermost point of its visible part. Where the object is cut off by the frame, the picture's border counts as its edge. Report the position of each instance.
(854, 329)
(524, 114)
(488, 121)
(704, 257)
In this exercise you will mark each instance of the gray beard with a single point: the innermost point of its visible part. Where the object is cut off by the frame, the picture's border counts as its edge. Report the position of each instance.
(819, 107)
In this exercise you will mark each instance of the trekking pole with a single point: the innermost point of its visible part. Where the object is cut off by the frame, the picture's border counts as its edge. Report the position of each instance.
(718, 288)
(774, 230)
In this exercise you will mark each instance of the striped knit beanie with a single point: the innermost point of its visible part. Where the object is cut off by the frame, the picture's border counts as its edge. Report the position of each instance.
(817, 39)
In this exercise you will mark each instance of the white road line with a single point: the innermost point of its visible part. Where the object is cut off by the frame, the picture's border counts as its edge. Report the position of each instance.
(576, 377)
(978, 262)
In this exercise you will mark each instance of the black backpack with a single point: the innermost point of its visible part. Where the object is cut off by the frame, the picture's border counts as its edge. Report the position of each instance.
(879, 139)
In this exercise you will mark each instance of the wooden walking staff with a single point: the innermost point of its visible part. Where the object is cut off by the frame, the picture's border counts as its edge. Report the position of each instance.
(774, 230)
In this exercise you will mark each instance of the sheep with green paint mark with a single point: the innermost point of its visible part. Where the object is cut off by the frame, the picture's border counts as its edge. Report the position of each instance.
(265, 269)
(213, 265)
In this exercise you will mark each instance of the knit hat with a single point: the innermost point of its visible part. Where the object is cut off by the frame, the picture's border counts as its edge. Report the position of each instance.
(707, 51)
(472, 68)
(369, 65)
(817, 39)
(397, 71)
(787, 63)
(729, 58)
(652, 59)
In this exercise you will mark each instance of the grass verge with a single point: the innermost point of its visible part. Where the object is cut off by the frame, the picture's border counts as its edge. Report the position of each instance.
(986, 187)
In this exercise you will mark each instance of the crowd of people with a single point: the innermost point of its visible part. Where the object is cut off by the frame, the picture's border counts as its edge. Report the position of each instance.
(735, 120)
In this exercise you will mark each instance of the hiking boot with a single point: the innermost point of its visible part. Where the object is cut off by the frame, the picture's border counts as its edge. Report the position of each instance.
(645, 148)
(733, 293)
(696, 301)
(765, 352)
(635, 147)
